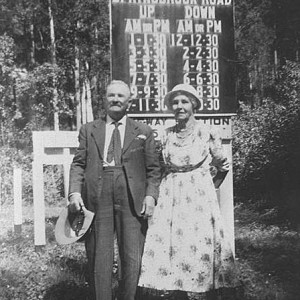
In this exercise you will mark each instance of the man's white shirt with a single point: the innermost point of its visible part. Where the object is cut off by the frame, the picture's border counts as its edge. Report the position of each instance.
(109, 128)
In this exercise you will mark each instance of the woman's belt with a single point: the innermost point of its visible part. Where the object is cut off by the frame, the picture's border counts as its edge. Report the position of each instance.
(170, 168)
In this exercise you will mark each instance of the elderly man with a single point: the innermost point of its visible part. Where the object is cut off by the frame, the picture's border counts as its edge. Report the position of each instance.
(115, 173)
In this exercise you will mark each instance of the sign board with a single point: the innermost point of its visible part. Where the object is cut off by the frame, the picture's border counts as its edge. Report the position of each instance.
(157, 44)
(221, 123)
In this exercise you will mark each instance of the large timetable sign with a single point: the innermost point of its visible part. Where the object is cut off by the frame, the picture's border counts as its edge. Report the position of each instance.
(157, 44)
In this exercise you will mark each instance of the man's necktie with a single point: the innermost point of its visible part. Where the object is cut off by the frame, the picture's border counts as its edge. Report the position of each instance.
(114, 149)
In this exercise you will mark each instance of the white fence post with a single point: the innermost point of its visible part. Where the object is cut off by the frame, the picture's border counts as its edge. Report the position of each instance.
(17, 173)
(38, 205)
(49, 148)
(0, 191)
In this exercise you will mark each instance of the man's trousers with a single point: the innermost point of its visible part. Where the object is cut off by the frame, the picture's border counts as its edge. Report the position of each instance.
(115, 213)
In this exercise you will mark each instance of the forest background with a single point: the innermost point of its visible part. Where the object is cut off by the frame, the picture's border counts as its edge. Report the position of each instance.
(55, 55)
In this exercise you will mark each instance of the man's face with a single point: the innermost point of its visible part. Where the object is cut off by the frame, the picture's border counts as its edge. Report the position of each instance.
(117, 100)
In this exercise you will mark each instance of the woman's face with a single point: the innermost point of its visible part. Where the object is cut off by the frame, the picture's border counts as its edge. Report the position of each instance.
(182, 107)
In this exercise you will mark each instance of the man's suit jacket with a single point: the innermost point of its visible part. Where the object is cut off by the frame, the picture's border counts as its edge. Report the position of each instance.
(139, 158)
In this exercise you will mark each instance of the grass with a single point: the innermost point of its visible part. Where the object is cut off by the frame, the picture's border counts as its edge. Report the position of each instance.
(56, 273)
(268, 257)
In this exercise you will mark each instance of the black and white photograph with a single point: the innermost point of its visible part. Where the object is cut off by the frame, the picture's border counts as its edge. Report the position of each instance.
(149, 149)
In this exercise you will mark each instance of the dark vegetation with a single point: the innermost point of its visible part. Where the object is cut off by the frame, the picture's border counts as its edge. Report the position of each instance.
(266, 147)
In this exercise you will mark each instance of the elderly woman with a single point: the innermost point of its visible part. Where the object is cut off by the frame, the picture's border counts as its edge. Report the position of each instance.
(187, 252)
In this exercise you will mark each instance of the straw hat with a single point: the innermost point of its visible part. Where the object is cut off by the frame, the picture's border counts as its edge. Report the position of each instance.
(186, 89)
(70, 227)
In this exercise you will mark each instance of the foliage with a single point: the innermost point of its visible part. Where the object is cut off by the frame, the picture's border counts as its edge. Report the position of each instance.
(254, 40)
(6, 83)
(53, 178)
(27, 77)
(35, 99)
(287, 25)
(26, 105)
(266, 35)
(10, 158)
(288, 86)
(87, 26)
(53, 184)
(28, 80)
(266, 144)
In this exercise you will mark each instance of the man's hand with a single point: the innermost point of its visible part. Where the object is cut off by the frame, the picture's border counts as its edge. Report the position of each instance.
(148, 207)
(75, 202)
(225, 166)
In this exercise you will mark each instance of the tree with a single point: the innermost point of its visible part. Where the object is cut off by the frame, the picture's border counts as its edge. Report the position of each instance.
(90, 24)
(267, 34)
(287, 25)
(80, 48)
(254, 38)
(7, 82)
(266, 146)
(53, 61)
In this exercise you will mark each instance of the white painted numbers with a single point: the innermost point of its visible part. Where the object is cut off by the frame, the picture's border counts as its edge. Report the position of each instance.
(170, 42)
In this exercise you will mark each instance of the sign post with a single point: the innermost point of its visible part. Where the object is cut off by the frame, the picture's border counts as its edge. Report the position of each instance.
(157, 44)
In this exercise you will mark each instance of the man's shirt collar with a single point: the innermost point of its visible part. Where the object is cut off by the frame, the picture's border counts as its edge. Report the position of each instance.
(109, 120)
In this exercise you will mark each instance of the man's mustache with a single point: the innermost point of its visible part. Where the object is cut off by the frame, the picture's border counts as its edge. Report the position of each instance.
(179, 110)
(114, 103)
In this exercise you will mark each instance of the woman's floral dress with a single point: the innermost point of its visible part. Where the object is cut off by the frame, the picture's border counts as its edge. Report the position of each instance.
(186, 247)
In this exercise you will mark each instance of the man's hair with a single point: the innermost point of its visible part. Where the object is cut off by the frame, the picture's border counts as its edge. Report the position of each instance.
(113, 82)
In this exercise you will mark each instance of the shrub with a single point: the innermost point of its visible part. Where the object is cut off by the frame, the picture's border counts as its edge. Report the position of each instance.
(53, 178)
(9, 158)
(266, 142)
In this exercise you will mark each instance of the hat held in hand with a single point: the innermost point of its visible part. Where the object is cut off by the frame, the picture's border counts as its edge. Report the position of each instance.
(70, 227)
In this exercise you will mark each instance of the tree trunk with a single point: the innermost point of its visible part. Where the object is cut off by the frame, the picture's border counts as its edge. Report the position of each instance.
(88, 96)
(77, 88)
(77, 83)
(0, 191)
(297, 50)
(89, 109)
(83, 104)
(53, 61)
(32, 51)
(275, 63)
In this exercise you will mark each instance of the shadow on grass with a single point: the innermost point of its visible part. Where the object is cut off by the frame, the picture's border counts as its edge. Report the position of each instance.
(16, 240)
(9, 285)
(67, 290)
(272, 252)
